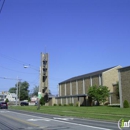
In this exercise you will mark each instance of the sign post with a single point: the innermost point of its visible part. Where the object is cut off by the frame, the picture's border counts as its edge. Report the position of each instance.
(39, 97)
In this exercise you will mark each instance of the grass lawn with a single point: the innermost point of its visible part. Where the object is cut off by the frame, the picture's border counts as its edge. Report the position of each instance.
(96, 112)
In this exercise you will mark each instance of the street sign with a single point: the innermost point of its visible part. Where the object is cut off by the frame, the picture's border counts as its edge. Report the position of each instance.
(39, 95)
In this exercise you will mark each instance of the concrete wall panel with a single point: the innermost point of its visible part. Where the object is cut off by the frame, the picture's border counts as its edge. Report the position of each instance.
(80, 86)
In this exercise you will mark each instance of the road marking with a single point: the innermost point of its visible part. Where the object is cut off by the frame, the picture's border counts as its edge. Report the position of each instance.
(20, 120)
(44, 119)
(4, 111)
(64, 119)
(89, 126)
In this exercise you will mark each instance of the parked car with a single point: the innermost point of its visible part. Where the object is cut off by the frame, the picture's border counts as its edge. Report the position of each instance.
(24, 103)
(3, 105)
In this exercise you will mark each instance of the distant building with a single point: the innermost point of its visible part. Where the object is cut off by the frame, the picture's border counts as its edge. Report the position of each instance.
(34, 99)
(7, 95)
(75, 90)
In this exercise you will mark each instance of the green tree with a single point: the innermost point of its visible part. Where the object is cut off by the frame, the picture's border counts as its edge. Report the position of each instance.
(12, 90)
(98, 94)
(24, 92)
(126, 104)
(35, 91)
(7, 100)
(42, 102)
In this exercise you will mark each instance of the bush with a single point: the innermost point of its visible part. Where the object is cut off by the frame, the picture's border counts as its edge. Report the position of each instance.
(55, 104)
(77, 104)
(71, 104)
(65, 104)
(42, 102)
(7, 100)
(126, 104)
(60, 104)
(113, 105)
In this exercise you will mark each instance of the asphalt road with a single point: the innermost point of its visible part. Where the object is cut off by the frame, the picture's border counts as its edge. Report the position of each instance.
(21, 120)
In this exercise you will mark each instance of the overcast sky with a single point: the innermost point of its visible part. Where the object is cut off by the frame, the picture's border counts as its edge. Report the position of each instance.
(81, 36)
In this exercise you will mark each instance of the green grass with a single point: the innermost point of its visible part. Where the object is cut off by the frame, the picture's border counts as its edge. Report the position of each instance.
(100, 112)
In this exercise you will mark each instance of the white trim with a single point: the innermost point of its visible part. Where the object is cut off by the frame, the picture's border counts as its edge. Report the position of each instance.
(110, 98)
(91, 82)
(83, 86)
(61, 101)
(76, 87)
(70, 88)
(60, 89)
(66, 100)
(100, 83)
(65, 89)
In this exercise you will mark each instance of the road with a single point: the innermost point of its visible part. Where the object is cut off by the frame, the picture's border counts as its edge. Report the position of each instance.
(21, 120)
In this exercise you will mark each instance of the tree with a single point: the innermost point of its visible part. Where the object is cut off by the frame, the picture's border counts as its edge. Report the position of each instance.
(12, 90)
(126, 104)
(7, 100)
(24, 92)
(42, 102)
(35, 91)
(98, 94)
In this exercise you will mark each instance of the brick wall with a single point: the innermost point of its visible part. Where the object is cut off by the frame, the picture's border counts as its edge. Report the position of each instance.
(63, 89)
(80, 86)
(125, 84)
(110, 77)
(74, 88)
(63, 101)
(68, 89)
(95, 80)
(87, 84)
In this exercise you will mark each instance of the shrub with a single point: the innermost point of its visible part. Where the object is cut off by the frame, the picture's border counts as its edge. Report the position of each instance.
(126, 104)
(55, 104)
(71, 104)
(60, 104)
(77, 104)
(42, 102)
(65, 105)
(7, 100)
(113, 105)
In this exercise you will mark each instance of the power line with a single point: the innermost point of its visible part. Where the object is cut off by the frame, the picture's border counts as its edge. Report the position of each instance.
(17, 61)
(2, 6)
(9, 78)
(16, 70)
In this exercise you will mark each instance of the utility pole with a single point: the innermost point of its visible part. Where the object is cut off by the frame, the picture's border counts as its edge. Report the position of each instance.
(17, 79)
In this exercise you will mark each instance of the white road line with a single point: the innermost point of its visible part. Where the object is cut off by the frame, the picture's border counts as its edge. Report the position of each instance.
(65, 119)
(83, 125)
(44, 119)
(100, 128)
(4, 111)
